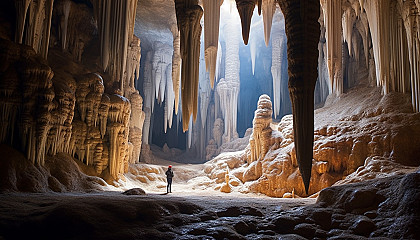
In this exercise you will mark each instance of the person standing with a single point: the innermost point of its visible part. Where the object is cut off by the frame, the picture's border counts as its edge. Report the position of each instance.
(169, 175)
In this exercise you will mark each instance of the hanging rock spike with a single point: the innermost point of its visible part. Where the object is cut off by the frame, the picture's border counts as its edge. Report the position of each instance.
(245, 9)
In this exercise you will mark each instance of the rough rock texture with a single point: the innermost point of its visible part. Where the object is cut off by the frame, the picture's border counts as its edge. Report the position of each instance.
(379, 209)
(301, 19)
(65, 105)
(26, 103)
(261, 134)
(211, 32)
(189, 14)
(356, 138)
(135, 191)
(379, 36)
(59, 174)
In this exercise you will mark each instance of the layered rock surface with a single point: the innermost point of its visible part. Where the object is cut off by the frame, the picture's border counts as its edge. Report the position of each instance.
(356, 138)
(65, 106)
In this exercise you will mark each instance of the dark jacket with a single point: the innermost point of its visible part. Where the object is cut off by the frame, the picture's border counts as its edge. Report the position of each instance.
(169, 174)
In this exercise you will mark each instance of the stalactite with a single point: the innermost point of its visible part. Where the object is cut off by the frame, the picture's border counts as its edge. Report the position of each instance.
(189, 133)
(118, 118)
(303, 31)
(34, 21)
(161, 69)
(228, 87)
(253, 50)
(412, 35)
(278, 50)
(349, 18)
(133, 66)
(148, 96)
(137, 118)
(322, 91)
(204, 89)
(176, 66)
(245, 9)
(211, 35)
(21, 11)
(47, 28)
(188, 14)
(268, 10)
(116, 26)
(170, 100)
(378, 16)
(333, 23)
(65, 22)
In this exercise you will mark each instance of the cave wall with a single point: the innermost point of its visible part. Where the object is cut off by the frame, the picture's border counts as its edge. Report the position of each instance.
(72, 83)
(375, 38)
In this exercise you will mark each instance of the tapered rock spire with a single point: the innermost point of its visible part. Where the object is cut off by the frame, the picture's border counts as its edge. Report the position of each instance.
(268, 10)
(211, 35)
(188, 14)
(245, 9)
(303, 31)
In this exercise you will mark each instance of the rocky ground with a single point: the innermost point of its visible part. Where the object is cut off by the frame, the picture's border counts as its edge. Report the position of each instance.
(379, 209)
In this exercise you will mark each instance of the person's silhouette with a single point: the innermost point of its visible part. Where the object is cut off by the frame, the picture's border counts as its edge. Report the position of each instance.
(169, 175)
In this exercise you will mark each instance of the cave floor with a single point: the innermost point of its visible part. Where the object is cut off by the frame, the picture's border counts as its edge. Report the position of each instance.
(112, 215)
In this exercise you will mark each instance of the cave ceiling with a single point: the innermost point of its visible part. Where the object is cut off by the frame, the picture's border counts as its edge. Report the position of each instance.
(154, 19)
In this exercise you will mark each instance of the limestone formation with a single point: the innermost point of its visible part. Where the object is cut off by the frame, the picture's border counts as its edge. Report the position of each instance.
(116, 32)
(228, 87)
(36, 33)
(211, 32)
(75, 25)
(245, 9)
(268, 10)
(261, 134)
(188, 15)
(332, 19)
(345, 146)
(301, 19)
(393, 62)
(277, 63)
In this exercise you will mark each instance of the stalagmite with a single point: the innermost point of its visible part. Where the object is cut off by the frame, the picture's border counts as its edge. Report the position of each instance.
(245, 9)
(188, 14)
(260, 139)
(211, 35)
(303, 31)
(218, 131)
(333, 23)
(268, 10)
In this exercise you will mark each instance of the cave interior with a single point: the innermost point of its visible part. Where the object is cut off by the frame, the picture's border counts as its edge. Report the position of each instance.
(281, 119)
